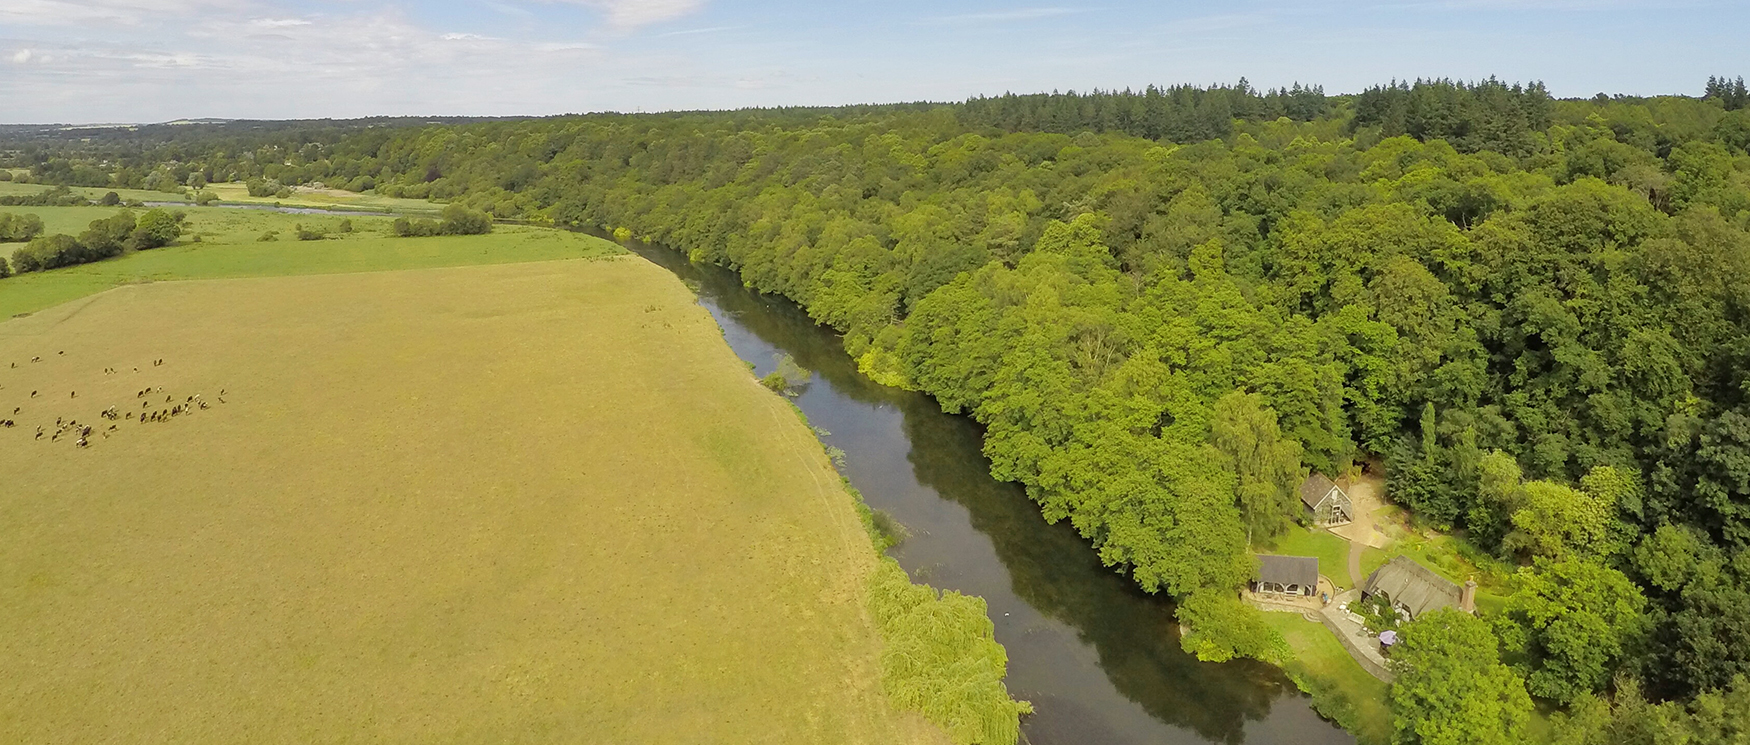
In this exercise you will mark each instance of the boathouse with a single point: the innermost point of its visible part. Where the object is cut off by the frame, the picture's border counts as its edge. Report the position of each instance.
(1287, 575)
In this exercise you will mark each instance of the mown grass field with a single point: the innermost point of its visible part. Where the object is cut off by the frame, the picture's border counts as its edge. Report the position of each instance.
(534, 502)
(229, 247)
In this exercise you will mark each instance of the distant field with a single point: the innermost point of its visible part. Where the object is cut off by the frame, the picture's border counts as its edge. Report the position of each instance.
(229, 248)
(537, 502)
(306, 197)
(11, 188)
(238, 193)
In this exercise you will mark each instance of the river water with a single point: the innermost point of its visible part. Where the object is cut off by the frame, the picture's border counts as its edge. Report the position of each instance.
(1099, 658)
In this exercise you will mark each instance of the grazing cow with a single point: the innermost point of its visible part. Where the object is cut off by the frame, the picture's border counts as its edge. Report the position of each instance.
(82, 443)
(39, 433)
(75, 395)
(36, 359)
(203, 404)
(33, 394)
(86, 432)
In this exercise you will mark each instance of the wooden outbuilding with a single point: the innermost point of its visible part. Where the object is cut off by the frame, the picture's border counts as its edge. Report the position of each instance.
(1287, 575)
(1330, 505)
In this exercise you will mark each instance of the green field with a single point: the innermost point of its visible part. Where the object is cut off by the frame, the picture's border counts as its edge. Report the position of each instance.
(12, 188)
(531, 502)
(228, 247)
(237, 193)
(327, 198)
(1341, 690)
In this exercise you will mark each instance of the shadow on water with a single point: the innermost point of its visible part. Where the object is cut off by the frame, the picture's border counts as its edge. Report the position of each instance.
(1099, 658)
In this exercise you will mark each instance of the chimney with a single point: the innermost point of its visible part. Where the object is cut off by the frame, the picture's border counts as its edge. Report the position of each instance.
(1467, 598)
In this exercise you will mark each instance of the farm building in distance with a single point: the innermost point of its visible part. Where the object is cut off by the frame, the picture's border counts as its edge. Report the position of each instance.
(1415, 589)
(1287, 575)
(1329, 503)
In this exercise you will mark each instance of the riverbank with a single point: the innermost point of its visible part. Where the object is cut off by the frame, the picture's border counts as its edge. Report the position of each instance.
(1098, 658)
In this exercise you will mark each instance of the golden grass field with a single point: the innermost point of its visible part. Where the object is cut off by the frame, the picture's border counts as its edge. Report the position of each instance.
(537, 502)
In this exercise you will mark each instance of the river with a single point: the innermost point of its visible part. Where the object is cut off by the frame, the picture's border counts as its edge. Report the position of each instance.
(1098, 658)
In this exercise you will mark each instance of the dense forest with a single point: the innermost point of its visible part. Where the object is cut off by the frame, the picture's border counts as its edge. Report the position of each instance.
(1166, 306)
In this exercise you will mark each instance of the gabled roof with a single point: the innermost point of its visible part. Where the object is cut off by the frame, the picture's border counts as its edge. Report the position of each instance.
(1315, 488)
(1289, 570)
(1412, 585)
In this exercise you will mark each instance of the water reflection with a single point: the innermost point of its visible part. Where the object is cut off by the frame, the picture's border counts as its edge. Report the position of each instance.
(1099, 659)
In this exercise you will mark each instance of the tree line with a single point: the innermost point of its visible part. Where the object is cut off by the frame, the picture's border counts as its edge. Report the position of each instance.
(101, 239)
(1535, 311)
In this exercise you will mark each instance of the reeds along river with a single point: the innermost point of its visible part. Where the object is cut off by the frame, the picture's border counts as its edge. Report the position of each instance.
(1099, 659)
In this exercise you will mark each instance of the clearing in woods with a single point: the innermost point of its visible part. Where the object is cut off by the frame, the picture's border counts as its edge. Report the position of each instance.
(536, 502)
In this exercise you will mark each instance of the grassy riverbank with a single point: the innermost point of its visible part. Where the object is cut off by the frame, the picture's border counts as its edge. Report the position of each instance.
(1340, 689)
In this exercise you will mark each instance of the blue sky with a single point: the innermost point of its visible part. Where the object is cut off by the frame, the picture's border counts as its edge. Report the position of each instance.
(155, 60)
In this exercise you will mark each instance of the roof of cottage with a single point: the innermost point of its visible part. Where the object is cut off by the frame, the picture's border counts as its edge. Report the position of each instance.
(1412, 585)
(1289, 570)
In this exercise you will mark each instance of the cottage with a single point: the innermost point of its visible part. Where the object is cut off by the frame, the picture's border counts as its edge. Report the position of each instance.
(1287, 575)
(1329, 503)
(1415, 589)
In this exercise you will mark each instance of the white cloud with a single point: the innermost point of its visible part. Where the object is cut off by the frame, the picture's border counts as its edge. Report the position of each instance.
(126, 12)
(1018, 14)
(467, 37)
(22, 56)
(691, 31)
(630, 14)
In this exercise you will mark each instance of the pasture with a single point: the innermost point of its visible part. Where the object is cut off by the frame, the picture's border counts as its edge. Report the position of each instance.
(229, 246)
(530, 502)
(304, 196)
(93, 193)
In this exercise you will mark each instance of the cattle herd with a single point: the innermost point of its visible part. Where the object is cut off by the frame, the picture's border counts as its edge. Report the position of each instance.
(111, 419)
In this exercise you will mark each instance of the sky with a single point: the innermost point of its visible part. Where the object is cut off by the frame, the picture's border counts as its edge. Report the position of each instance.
(91, 61)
